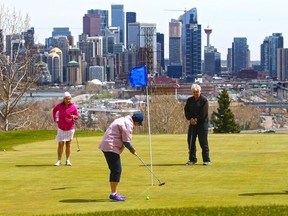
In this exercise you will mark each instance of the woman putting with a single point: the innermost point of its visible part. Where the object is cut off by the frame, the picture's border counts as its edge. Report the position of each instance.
(116, 138)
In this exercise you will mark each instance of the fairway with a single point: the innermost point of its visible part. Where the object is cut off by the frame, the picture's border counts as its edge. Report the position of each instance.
(246, 170)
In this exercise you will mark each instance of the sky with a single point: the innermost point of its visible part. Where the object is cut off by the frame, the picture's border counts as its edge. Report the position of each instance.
(253, 19)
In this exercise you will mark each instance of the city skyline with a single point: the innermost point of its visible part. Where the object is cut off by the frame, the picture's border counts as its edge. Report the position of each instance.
(254, 20)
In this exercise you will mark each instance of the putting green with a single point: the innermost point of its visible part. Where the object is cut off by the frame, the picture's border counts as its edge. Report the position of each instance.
(247, 169)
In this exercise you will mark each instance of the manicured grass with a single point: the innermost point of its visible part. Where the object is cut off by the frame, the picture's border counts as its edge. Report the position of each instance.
(9, 139)
(247, 177)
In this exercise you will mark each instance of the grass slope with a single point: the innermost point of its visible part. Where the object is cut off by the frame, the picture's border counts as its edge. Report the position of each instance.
(247, 177)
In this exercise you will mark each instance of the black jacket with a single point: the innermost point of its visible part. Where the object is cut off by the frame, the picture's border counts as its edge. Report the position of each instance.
(197, 109)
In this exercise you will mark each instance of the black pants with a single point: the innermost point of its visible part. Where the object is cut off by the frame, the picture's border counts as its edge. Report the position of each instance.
(114, 164)
(201, 131)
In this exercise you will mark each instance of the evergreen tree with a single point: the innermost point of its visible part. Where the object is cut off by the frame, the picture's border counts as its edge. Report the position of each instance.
(224, 119)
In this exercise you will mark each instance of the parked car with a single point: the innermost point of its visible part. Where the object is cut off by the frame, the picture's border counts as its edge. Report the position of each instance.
(266, 131)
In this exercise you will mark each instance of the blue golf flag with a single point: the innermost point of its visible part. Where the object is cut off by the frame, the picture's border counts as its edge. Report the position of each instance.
(138, 77)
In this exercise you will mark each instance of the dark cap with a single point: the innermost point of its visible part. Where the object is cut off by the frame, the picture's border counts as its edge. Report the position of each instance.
(138, 117)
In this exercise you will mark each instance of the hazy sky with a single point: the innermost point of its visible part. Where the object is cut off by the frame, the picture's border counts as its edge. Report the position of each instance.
(254, 19)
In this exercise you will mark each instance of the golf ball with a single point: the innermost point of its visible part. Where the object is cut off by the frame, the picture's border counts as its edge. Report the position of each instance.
(147, 198)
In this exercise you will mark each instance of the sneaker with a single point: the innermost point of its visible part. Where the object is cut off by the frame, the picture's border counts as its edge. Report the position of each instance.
(117, 197)
(68, 163)
(207, 163)
(191, 163)
(58, 163)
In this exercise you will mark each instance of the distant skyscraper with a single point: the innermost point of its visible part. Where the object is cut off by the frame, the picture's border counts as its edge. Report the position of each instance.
(29, 38)
(193, 49)
(1, 42)
(55, 67)
(142, 36)
(282, 64)
(74, 56)
(229, 60)
(118, 19)
(111, 38)
(130, 18)
(175, 43)
(13, 44)
(185, 19)
(92, 47)
(160, 40)
(91, 24)
(61, 31)
(269, 53)
(104, 19)
(240, 54)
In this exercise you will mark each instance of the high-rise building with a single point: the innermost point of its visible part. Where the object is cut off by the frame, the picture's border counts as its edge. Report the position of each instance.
(13, 44)
(142, 38)
(130, 18)
(104, 19)
(269, 53)
(29, 38)
(117, 12)
(160, 53)
(74, 68)
(61, 42)
(55, 65)
(60, 31)
(193, 49)
(212, 61)
(73, 73)
(175, 43)
(229, 60)
(1, 42)
(240, 55)
(91, 24)
(185, 19)
(282, 64)
(92, 47)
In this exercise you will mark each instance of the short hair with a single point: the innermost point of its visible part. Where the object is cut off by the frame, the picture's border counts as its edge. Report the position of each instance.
(195, 87)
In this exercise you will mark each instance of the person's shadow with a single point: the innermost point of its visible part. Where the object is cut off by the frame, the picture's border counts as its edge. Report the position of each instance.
(34, 165)
(264, 193)
(84, 200)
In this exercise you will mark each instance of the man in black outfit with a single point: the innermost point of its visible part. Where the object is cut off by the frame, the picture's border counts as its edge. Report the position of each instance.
(196, 111)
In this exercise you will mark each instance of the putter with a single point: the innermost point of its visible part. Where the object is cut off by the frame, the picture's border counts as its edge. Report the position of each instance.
(78, 147)
(160, 183)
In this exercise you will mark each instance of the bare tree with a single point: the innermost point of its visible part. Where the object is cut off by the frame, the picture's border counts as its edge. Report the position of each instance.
(18, 71)
(167, 115)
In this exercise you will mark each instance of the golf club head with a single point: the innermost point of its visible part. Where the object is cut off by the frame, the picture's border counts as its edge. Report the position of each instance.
(161, 184)
(78, 150)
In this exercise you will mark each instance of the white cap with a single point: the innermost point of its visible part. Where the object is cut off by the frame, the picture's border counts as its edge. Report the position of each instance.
(66, 94)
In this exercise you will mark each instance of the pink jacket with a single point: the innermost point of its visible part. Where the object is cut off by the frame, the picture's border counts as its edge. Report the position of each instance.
(62, 115)
(118, 132)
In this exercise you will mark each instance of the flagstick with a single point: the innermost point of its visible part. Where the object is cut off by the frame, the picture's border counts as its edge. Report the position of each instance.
(149, 130)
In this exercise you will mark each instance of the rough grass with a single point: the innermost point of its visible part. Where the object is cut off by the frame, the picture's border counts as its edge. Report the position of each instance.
(247, 177)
